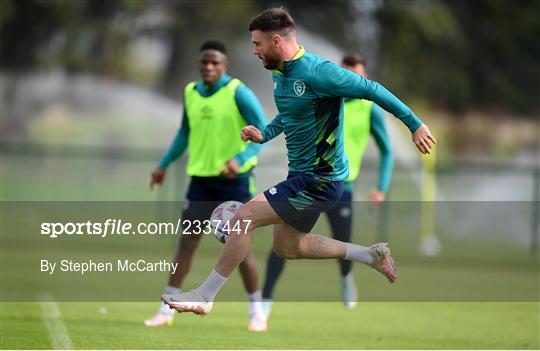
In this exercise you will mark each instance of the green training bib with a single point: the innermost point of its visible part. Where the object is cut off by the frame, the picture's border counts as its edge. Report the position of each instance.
(214, 136)
(356, 125)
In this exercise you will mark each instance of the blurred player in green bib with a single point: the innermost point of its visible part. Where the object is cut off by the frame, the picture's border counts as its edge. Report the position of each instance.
(309, 93)
(220, 165)
(362, 118)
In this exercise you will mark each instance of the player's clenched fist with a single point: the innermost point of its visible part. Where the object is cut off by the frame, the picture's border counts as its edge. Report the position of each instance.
(251, 133)
(422, 138)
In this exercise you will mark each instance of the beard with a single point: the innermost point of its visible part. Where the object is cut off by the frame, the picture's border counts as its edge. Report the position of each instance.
(271, 60)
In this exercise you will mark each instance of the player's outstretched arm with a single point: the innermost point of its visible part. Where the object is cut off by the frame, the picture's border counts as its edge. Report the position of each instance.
(330, 80)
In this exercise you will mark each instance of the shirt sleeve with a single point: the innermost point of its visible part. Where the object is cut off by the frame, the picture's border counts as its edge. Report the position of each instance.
(253, 113)
(178, 145)
(331, 80)
(386, 164)
(273, 129)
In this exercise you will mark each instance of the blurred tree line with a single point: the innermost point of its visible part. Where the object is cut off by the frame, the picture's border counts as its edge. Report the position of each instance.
(460, 53)
(456, 54)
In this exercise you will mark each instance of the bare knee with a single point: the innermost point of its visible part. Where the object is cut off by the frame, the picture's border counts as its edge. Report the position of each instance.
(249, 261)
(244, 218)
(287, 251)
(244, 213)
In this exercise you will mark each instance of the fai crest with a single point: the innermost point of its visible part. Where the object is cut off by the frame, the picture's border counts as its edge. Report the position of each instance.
(299, 87)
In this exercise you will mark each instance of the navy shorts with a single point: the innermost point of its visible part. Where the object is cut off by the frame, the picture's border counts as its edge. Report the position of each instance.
(206, 193)
(300, 199)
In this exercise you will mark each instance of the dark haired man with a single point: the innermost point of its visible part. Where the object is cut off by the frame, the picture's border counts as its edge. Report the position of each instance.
(309, 93)
(220, 165)
(361, 118)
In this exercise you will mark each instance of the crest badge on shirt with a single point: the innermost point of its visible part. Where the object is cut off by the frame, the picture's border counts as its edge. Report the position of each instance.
(299, 87)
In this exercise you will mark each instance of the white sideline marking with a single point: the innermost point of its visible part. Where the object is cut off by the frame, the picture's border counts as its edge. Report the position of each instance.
(57, 330)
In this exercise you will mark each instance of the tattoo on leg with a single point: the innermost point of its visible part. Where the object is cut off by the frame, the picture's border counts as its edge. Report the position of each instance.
(319, 242)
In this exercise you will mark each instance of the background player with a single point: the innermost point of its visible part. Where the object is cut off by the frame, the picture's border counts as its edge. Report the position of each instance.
(220, 164)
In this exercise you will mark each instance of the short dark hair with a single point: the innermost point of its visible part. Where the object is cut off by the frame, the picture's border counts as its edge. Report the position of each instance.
(352, 59)
(213, 45)
(273, 20)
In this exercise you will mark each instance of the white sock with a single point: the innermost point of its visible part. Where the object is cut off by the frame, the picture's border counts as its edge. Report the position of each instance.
(349, 276)
(172, 290)
(358, 253)
(210, 287)
(165, 309)
(255, 303)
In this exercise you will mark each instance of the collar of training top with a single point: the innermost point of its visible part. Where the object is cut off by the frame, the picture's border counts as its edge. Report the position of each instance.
(286, 64)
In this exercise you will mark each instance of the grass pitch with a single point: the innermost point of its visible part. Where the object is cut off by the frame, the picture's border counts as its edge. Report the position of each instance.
(324, 325)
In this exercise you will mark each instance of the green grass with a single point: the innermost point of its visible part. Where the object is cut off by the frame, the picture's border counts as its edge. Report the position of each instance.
(402, 325)
(467, 270)
(471, 270)
(486, 266)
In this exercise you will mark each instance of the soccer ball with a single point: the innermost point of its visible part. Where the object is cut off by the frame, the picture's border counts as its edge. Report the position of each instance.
(220, 220)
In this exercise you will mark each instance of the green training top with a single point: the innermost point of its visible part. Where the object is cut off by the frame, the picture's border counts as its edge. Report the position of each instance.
(309, 96)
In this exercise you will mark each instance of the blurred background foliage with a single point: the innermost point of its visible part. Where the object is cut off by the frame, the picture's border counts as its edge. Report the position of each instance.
(462, 54)
(90, 94)
(456, 55)
(109, 73)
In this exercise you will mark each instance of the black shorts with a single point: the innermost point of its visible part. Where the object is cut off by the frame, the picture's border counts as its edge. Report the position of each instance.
(300, 199)
(206, 193)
